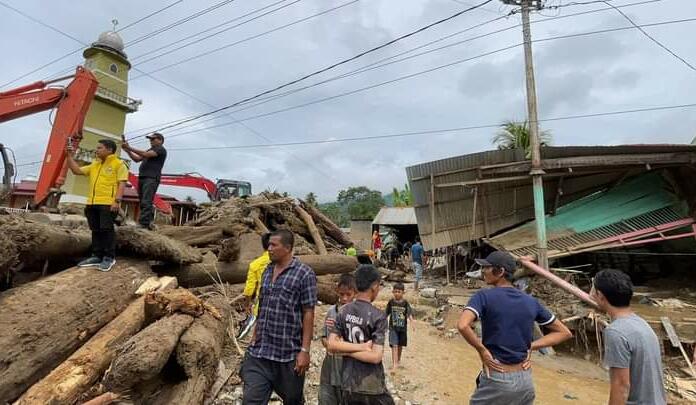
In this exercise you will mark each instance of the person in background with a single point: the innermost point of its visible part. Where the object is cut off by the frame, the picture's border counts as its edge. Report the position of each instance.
(149, 175)
(399, 312)
(331, 368)
(252, 287)
(631, 348)
(377, 244)
(417, 261)
(278, 355)
(351, 251)
(507, 319)
(358, 334)
(107, 180)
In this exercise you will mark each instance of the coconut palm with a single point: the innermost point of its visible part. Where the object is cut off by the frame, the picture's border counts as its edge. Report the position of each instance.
(513, 135)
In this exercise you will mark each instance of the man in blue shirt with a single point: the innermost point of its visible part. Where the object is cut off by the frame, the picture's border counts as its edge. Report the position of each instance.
(507, 318)
(278, 356)
(417, 260)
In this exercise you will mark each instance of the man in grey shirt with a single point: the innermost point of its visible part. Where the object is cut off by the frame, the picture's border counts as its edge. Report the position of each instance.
(632, 351)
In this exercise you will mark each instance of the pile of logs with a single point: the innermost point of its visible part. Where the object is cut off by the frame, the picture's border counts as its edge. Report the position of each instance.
(81, 335)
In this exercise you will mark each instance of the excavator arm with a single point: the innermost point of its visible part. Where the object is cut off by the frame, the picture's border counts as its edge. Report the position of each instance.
(192, 180)
(71, 103)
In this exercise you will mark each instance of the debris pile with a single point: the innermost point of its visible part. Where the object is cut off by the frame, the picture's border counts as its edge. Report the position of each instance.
(159, 327)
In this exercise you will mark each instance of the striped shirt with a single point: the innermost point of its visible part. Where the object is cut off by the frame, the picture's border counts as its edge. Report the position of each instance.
(279, 324)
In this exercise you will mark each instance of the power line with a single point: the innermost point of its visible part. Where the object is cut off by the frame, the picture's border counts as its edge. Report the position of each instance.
(67, 55)
(154, 13)
(206, 53)
(650, 37)
(437, 131)
(379, 63)
(333, 65)
(430, 70)
(211, 29)
(179, 22)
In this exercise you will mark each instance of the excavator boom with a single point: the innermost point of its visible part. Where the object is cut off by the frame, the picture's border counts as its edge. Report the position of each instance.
(72, 104)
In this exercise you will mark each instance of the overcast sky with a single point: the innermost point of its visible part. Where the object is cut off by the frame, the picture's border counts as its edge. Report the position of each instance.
(613, 71)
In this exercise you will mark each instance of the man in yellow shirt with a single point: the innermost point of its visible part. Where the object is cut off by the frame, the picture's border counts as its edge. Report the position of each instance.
(253, 285)
(107, 179)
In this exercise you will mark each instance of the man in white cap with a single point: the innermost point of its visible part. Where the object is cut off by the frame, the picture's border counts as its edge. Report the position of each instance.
(152, 161)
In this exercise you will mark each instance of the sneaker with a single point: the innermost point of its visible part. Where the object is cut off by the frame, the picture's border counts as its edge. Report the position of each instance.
(106, 264)
(93, 261)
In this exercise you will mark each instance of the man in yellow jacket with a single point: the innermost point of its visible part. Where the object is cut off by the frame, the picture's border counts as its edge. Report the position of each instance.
(107, 179)
(253, 285)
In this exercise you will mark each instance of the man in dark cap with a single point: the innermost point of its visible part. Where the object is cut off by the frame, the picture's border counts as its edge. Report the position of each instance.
(507, 318)
(152, 161)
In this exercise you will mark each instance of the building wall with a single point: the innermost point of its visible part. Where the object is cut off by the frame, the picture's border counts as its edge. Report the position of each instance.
(105, 119)
(361, 234)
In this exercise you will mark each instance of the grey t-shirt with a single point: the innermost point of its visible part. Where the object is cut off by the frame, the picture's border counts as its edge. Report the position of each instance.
(631, 343)
(359, 322)
(333, 363)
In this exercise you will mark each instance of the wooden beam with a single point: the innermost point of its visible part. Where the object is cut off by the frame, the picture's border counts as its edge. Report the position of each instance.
(674, 339)
(432, 206)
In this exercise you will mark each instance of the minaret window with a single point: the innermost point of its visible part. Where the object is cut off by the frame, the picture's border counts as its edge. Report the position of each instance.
(113, 68)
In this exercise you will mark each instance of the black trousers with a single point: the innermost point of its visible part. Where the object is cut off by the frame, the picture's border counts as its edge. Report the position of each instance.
(147, 187)
(101, 222)
(364, 399)
(261, 377)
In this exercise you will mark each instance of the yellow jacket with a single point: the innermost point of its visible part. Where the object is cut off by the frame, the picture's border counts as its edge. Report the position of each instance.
(254, 278)
(104, 178)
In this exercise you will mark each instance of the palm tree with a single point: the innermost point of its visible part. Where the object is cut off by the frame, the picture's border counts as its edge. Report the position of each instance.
(311, 199)
(513, 135)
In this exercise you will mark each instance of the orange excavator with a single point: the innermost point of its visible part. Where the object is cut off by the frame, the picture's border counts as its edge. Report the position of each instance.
(71, 103)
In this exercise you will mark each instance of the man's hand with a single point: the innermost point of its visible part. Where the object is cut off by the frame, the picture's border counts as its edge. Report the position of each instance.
(489, 363)
(301, 363)
(527, 363)
(115, 206)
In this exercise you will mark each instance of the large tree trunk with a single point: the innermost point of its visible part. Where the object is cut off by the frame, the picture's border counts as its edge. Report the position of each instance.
(153, 246)
(330, 228)
(311, 226)
(30, 242)
(43, 322)
(198, 353)
(66, 383)
(208, 272)
(144, 355)
(194, 235)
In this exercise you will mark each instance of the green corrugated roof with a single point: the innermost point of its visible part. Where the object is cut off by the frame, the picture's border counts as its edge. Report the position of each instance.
(638, 196)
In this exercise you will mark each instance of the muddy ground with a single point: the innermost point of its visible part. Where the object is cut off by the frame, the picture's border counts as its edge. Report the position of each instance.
(440, 368)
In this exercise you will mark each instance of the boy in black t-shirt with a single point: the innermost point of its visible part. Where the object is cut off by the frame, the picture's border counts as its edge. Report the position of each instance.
(399, 312)
(358, 334)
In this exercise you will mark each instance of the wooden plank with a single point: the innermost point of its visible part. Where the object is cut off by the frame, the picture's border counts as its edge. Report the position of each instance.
(674, 339)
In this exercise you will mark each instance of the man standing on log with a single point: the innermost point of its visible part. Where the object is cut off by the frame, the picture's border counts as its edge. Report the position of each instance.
(107, 179)
(149, 175)
(278, 356)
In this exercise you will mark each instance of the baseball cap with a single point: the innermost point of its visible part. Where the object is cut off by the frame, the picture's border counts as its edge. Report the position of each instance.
(155, 135)
(499, 259)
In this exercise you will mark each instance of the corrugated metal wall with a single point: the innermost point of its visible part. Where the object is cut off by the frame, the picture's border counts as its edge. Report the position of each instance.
(499, 205)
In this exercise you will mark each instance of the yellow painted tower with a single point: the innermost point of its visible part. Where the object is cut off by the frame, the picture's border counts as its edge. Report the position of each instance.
(106, 118)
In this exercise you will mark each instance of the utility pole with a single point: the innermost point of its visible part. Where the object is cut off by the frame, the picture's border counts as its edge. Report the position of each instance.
(537, 171)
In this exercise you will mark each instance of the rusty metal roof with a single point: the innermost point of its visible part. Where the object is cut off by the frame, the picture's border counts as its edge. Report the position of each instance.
(463, 183)
(395, 216)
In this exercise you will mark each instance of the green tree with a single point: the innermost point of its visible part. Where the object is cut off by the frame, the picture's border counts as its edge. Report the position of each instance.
(513, 135)
(361, 202)
(402, 198)
(311, 199)
(337, 214)
(189, 199)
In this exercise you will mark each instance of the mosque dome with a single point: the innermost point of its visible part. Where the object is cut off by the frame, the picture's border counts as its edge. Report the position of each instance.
(110, 39)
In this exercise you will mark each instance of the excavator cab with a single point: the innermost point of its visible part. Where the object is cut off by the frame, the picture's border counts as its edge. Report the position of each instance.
(8, 172)
(227, 189)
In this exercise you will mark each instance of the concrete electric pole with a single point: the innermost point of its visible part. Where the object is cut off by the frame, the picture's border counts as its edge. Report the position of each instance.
(537, 172)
